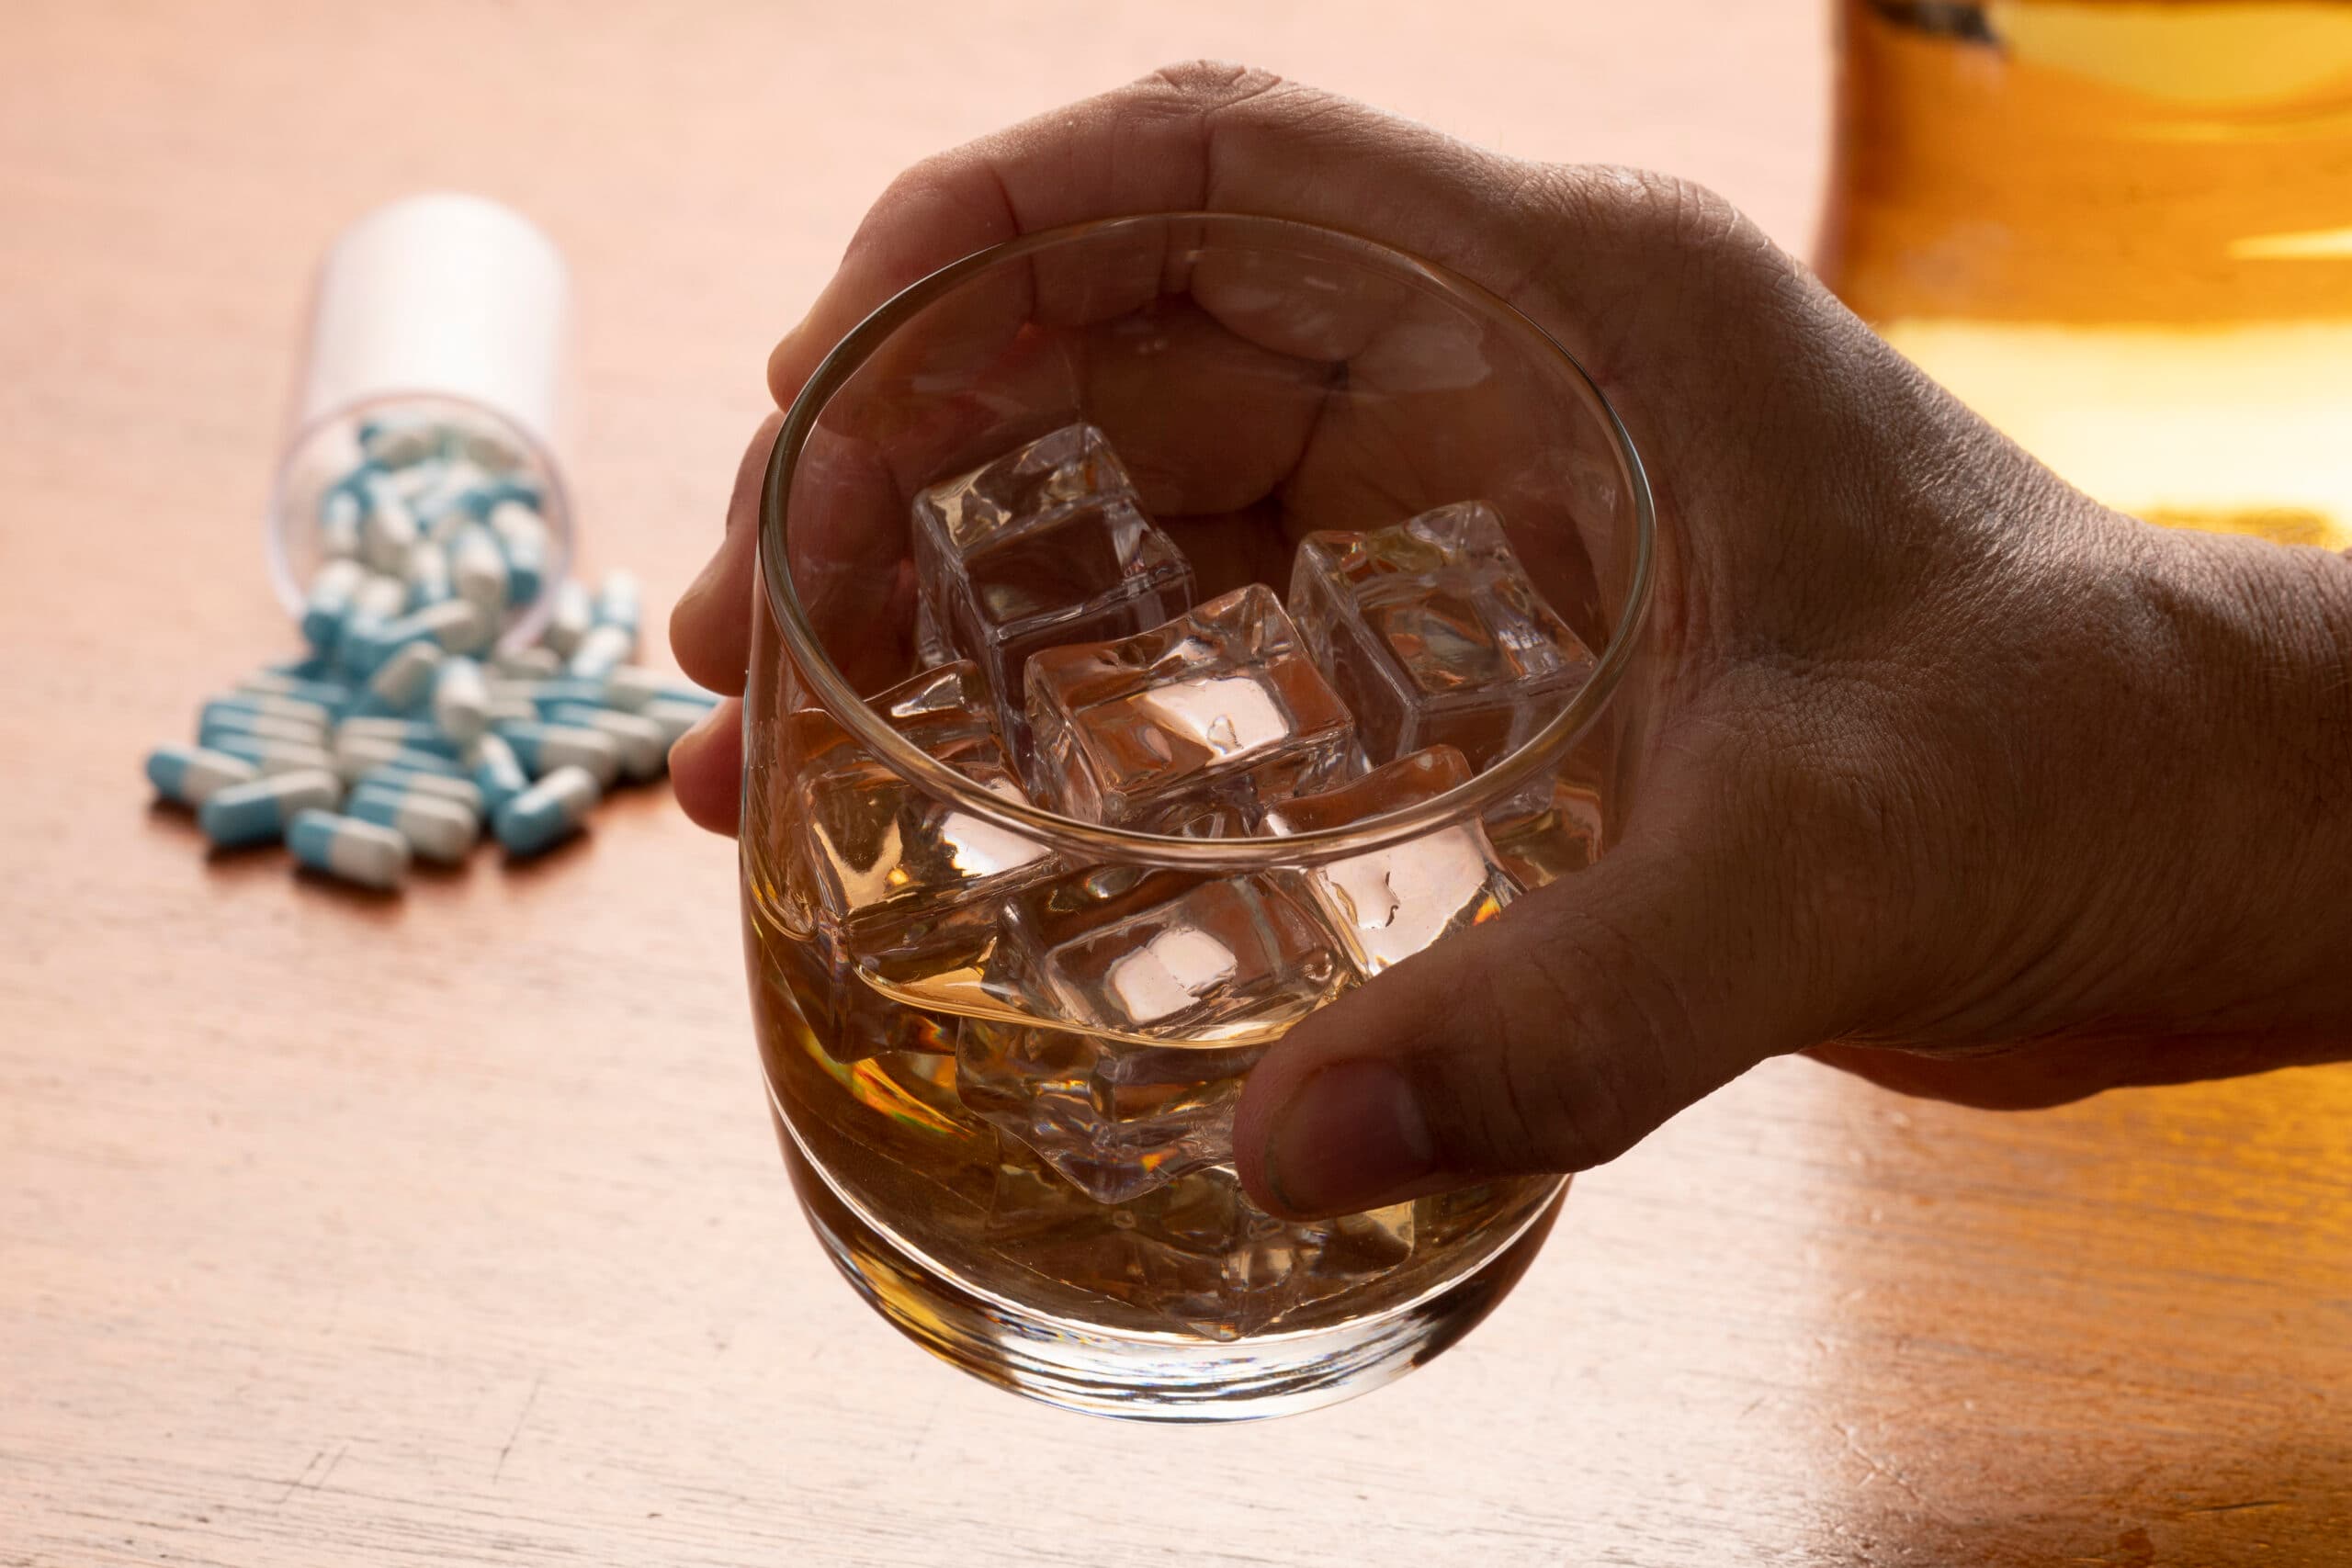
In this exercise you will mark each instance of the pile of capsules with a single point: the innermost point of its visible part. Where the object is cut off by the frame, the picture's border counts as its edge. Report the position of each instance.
(405, 729)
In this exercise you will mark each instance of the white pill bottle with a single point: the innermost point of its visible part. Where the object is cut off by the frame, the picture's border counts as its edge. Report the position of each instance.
(437, 332)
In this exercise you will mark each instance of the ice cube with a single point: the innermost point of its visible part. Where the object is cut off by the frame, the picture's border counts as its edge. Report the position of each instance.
(887, 863)
(1217, 708)
(1431, 633)
(1195, 1251)
(1221, 965)
(1164, 954)
(1390, 904)
(1115, 1119)
(1045, 544)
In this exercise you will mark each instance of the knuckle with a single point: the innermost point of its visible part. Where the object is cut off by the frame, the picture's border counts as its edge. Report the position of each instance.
(1670, 228)
(1671, 213)
(1560, 190)
(1219, 98)
(1655, 246)
(906, 194)
(1206, 84)
(917, 185)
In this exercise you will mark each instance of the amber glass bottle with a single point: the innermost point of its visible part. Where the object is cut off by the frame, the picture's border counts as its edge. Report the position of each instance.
(2121, 229)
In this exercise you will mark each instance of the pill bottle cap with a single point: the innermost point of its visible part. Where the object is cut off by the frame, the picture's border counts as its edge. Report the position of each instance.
(440, 293)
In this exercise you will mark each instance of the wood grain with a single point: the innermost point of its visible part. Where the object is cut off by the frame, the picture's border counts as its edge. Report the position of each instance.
(449, 1230)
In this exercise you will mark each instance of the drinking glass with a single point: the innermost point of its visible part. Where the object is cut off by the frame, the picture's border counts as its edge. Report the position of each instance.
(1003, 1041)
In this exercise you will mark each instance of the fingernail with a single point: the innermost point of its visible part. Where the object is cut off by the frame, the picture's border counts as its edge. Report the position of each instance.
(1351, 1135)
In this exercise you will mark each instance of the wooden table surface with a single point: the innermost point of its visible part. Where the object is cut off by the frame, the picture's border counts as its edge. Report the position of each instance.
(451, 1231)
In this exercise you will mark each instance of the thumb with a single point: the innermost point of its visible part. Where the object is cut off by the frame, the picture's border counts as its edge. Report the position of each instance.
(1549, 1040)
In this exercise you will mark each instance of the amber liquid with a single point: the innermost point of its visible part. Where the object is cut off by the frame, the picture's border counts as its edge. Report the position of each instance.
(892, 1139)
(2122, 231)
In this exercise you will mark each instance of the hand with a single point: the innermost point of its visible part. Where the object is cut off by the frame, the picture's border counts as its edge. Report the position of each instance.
(1963, 782)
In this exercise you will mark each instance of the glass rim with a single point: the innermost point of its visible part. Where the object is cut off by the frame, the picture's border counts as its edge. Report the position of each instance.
(1097, 840)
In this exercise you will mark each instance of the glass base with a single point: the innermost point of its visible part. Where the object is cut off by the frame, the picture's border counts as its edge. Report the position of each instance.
(1137, 1376)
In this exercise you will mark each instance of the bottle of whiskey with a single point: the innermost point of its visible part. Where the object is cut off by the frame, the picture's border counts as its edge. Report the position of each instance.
(2121, 229)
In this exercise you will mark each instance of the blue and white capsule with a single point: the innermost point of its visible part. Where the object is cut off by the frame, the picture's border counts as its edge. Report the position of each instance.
(449, 626)
(275, 757)
(220, 724)
(357, 754)
(428, 574)
(543, 695)
(381, 597)
(496, 771)
(524, 537)
(328, 603)
(259, 714)
(410, 760)
(448, 520)
(632, 686)
(445, 500)
(510, 485)
(339, 513)
(454, 626)
(257, 813)
(527, 664)
(478, 571)
(619, 601)
(390, 445)
(548, 813)
(192, 775)
(330, 696)
(602, 651)
(673, 718)
(569, 619)
(348, 848)
(643, 751)
(415, 734)
(310, 667)
(436, 829)
(389, 528)
(401, 681)
(395, 780)
(359, 646)
(461, 700)
(458, 626)
(611, 642)
(543, 748)
(267, 704)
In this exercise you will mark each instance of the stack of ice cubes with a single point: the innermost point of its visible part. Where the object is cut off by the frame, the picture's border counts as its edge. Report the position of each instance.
(1114, 1009)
